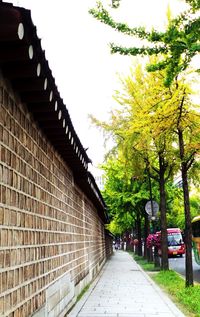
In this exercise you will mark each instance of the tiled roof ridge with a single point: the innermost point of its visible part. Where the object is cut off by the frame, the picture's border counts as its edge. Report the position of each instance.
(23, 62)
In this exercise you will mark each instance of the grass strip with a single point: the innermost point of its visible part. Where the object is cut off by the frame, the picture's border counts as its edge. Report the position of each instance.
(83, 292)
(173, 284)
(147, 266)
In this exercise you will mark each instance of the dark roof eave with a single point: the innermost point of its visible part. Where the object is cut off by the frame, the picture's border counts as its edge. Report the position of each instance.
(24, 64)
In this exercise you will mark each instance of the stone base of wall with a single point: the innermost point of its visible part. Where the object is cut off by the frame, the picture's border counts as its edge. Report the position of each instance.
(52, 241)
(58, 296)
(62, 295)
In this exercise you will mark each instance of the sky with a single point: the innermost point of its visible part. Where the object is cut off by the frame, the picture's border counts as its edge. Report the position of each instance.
(77, 48)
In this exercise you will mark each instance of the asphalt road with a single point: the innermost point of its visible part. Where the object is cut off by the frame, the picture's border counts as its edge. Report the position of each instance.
(178, 265)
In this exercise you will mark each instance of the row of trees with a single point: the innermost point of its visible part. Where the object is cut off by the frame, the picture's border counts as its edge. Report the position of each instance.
(156, 126)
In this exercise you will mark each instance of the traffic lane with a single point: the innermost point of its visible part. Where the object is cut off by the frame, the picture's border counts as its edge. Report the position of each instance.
(178, 264)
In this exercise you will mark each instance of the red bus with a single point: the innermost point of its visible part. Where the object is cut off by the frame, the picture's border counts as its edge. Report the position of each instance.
(176, 245)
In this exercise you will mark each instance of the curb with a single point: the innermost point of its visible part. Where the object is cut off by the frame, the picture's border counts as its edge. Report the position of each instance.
(172, 306)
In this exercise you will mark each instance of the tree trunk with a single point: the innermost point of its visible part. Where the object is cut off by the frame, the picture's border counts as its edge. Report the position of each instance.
(139, 234)
(163, 219)
(156, 258)
(150, 255)
(188, 225)
(146, 233)
(188, 232)
(128, 245)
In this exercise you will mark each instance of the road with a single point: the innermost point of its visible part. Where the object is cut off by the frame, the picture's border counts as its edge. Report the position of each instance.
(178, 265)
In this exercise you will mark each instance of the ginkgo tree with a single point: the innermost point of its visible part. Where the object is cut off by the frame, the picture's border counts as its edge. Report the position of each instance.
(161, 125)
(178, 44)
(125, 196)
(144, 96)
(136, 132)
(169, 118)
(182, 118)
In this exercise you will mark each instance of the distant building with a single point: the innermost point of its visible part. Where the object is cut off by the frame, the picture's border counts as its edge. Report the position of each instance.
(100, 181)
(178, 181)
(98, 176)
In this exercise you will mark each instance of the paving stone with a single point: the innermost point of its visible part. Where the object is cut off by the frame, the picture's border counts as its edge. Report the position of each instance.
(124, 290)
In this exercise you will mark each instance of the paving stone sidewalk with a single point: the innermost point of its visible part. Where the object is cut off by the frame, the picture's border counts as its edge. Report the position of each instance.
(124, 290)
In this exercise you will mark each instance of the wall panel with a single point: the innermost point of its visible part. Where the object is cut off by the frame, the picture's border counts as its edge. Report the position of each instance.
(51, 237)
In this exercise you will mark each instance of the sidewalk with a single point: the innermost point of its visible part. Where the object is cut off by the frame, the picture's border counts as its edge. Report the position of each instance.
(124, 290)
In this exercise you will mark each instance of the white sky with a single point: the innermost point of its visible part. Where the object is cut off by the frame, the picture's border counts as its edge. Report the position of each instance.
(76, 47)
